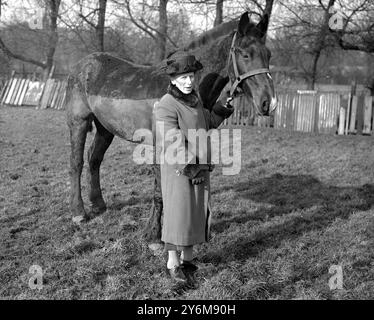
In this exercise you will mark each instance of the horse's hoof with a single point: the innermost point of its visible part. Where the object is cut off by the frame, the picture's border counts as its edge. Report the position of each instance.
(78, 220)
(95, 212)
(99, 208)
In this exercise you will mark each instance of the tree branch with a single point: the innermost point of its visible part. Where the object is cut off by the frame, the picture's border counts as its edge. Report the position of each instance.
(13, 55)
(75, 31)
(88, 21)
(296, 15)
(158, 32)
(133, 20)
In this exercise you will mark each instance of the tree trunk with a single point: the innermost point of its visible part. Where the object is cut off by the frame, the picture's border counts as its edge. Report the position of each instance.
(54, 6)
(371, 87)
(320, 44)
(313, 78)
(269, 7)
(219, 13)
(99, 30)
(163, 29)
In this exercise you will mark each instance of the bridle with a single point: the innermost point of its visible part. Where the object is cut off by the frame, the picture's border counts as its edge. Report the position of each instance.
(240, 77)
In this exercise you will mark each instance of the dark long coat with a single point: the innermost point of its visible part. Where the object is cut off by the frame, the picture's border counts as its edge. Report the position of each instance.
(186, 218)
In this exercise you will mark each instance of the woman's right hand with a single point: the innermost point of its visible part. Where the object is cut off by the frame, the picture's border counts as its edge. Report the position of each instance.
(200, 178)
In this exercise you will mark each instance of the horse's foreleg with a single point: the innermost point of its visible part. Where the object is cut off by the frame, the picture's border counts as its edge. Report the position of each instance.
(103, 139)
(78, 132)
(152, 231)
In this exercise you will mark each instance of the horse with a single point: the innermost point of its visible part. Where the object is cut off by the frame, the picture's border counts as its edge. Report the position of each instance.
(118, 97)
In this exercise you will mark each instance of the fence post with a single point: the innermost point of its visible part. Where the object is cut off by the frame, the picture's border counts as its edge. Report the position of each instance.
(352, 125)
(316, 113)
(348, 112)
(360, 114)
(367, 114)
(341, 121)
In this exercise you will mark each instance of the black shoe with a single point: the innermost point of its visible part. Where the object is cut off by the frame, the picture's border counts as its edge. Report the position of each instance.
(188, 266)
(177, 274)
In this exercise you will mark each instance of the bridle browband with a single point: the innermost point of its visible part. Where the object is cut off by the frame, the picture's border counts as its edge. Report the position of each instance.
(240, 77)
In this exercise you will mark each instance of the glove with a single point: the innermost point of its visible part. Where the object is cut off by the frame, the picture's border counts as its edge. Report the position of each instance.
(200, 178)
(227, 103)
(225, 99)
(192, 170)
(211, 167)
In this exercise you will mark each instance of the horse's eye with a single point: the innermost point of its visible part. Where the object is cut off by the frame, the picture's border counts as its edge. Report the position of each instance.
(246, 56)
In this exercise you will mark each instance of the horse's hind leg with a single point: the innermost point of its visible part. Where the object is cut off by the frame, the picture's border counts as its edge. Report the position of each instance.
(79, 120)
(78, 132)
(103, 139)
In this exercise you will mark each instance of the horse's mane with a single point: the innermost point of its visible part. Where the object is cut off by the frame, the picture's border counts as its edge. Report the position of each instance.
(205, 38)
(210, 35)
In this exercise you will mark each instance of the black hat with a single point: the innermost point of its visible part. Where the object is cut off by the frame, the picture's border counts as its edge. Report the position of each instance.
(180, 62)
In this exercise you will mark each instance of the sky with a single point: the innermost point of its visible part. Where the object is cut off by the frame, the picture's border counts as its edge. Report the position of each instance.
(23, 10)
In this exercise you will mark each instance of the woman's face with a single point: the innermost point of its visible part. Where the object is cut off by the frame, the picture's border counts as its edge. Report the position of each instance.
(184, 82)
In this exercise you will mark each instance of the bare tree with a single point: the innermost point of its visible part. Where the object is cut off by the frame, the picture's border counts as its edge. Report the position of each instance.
(50, 28)
(99, 25)
(308, 30)
(219, 13)
(159, 31)
(163, 28)
(321, 38)
(357, 31)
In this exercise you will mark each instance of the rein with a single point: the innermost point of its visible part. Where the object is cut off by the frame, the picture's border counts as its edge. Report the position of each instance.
(240, 77)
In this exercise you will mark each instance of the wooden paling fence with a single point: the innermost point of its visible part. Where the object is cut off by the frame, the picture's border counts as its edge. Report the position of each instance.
(25, 92)
(301, 110)
(357, 118)
(312, 111)
(307, 111)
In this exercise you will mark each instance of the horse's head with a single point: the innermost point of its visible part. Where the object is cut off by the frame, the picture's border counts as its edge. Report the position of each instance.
(249, 64)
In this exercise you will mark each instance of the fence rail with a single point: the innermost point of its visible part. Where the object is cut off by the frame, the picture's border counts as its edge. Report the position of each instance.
(25, 92)
(297, 110)
(312, 111)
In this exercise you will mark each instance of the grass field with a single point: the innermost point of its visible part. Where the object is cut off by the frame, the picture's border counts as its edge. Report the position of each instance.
(300, 204)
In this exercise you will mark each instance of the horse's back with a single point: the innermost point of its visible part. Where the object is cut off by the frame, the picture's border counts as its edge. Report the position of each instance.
(109, 76)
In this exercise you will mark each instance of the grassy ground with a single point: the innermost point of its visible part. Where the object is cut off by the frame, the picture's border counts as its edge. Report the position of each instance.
(300, 204)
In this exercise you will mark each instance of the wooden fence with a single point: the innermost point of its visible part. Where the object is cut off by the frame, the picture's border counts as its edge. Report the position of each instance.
(297, 110)
(25, 92)
(312, 111)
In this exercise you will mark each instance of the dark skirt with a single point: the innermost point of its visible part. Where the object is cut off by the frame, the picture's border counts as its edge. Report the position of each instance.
(173, 247)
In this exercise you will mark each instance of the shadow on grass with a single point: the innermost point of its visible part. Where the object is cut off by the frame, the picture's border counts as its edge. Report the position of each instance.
(118, 204)
(313, 204)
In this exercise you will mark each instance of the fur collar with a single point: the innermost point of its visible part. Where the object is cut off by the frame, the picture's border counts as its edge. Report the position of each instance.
(190, 99)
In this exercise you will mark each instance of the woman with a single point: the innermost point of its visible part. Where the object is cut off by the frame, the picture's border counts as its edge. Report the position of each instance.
(184, 184)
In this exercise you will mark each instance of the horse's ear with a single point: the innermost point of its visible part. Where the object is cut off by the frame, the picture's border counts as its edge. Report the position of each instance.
(262, 26)
(243, 24)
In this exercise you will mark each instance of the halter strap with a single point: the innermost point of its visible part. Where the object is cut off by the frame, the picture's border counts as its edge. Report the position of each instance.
(240, 77)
